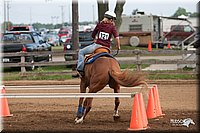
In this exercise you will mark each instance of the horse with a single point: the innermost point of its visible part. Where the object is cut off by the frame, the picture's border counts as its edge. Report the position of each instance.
(105, 71)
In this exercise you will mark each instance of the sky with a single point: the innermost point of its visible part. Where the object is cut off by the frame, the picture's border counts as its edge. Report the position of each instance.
(49, 11)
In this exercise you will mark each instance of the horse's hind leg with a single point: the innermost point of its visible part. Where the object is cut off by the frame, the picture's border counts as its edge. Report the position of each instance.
(81, 109)
(117, 102)
(87, 106)
(88, 101)
(116, 88)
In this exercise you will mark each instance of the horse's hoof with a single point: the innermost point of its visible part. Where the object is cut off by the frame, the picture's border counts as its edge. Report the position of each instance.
(79, 121)
(116, 118)
(76, 119)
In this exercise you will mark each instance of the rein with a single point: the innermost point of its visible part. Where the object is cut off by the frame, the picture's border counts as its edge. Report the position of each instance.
(116, 53)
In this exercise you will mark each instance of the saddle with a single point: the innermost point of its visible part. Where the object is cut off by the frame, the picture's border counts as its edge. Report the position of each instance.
(99, 52)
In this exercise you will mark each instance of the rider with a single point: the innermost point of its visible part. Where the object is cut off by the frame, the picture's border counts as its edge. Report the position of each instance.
(102, 35)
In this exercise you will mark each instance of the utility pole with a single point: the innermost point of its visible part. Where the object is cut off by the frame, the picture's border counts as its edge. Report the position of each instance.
(69, 14)
(8, 18)
(93, 14)
(30, 16)
(62, 15)
(75, 36)
(56, 19)
(52, 17)
(5, 16)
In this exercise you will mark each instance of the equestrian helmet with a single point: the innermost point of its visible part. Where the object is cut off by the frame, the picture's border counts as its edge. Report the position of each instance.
(110, 15)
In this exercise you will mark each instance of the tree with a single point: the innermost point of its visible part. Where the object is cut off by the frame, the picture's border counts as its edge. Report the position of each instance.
(118, 10)
(182, 11)
(103, 7)
(6, 25)
(195, 14)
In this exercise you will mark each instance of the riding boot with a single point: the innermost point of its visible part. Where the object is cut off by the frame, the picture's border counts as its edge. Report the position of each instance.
(79, 74)
(76, 75)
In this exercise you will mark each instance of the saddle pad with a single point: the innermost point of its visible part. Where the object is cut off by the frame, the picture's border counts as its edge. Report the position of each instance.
(91, 60)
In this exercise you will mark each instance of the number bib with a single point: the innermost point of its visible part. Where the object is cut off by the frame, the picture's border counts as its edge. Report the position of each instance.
(103, 35)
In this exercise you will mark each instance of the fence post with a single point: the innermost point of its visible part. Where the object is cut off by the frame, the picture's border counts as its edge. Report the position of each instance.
(197, 61)
(23, 69)
(138, 60)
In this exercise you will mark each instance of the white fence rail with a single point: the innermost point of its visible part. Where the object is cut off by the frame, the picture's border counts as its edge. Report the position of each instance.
(67, 95)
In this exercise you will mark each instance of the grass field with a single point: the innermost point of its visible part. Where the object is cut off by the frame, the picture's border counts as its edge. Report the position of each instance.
(61, 73)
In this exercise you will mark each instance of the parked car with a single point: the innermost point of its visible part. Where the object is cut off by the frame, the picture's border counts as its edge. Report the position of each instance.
(178, 33)
(26, 42)
(64, 35)
(85, 39)
(52, 39)
(22, 28)
(42, 32)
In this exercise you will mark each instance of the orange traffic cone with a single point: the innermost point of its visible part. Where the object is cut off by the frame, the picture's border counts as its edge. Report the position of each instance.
(168, 45)
(142, 109)
(4, 111)
(157, 101)
(149, 46)
(136, 117)
(151, 110)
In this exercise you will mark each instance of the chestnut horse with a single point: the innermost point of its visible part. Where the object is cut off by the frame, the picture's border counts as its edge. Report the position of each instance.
(103, 71)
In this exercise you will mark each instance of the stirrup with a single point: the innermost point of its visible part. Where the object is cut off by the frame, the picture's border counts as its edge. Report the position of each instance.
(81, 73)
(76, 75)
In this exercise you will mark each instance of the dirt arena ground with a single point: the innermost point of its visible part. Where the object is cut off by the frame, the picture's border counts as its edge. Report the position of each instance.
(178, 101)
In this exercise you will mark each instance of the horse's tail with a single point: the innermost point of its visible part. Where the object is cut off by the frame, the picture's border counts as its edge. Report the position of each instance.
(128, 78)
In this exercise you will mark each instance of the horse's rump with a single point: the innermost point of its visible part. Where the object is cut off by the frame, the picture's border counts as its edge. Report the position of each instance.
(106, 67)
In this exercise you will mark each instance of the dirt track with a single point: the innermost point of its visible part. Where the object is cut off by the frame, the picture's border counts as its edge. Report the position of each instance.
(178, 101)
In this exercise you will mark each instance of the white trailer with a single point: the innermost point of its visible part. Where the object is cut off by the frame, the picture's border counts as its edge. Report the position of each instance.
(139, 29)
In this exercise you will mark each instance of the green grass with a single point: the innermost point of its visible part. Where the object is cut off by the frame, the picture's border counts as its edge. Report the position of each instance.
(132, 66)
(40, 69)
(37, 74)
(58, 48)
(40, 73)
(123, 47)
(52, 69)
(172, 76)
(40, 76)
